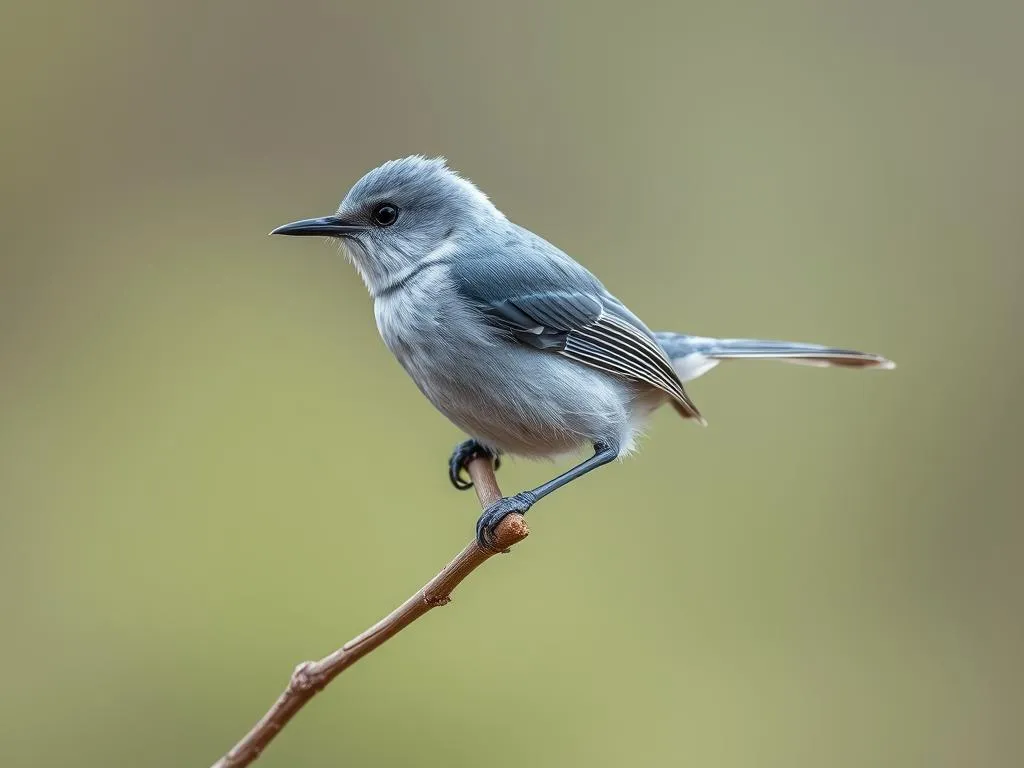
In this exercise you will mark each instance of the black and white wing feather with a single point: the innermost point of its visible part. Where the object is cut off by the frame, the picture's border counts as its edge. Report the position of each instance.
(549, 302)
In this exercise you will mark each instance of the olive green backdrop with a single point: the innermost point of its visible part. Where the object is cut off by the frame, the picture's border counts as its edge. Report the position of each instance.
(212, 469)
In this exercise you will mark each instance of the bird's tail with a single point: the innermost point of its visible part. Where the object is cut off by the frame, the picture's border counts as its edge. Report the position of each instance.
(693, 356)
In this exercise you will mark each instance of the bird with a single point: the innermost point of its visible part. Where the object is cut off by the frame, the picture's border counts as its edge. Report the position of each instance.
(515, 342)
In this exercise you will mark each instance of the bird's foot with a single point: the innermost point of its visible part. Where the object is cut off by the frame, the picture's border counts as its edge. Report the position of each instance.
(464, 453)
(498, 511)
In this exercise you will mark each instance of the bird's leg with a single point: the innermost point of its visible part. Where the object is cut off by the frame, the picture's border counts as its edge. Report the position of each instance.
(521, 502)
(464, 453)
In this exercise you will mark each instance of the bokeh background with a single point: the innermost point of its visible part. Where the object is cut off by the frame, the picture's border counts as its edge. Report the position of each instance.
(212, 469)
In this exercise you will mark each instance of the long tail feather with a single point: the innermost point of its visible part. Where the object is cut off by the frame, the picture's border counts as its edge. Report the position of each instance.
(693, 356)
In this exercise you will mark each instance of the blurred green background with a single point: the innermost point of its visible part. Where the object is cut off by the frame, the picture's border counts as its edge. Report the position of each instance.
(201, 429)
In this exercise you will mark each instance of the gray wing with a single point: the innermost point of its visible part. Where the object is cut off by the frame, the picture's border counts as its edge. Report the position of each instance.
(550, 302)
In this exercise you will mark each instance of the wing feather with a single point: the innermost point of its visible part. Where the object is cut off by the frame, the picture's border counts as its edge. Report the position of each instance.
(596, 356)
(543, 299)
(626, 350)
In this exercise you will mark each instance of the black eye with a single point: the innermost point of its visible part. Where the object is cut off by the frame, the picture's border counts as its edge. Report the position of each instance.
(384, 215)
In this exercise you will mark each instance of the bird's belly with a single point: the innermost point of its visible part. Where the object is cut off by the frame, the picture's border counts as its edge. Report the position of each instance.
(528, 402)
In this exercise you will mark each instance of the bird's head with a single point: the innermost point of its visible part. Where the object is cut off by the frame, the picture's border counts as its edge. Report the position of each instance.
(399, 214)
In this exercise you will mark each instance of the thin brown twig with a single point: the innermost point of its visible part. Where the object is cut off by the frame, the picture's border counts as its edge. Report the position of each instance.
(311, 677)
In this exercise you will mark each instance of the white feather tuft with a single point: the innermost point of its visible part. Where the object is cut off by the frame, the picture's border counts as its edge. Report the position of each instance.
(693, 365)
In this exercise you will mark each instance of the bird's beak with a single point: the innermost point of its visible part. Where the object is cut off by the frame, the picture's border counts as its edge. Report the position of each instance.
(325, 226)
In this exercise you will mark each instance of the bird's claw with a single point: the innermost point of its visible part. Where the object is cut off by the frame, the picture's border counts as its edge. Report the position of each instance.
(497, 512)
(464, 453)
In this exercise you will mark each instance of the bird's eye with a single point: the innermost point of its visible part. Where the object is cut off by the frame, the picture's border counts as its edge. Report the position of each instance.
(384, 215)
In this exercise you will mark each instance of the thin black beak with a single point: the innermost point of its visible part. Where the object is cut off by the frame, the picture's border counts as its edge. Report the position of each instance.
(325, 226)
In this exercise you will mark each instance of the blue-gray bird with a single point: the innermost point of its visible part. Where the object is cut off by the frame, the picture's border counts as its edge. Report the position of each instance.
(515, 342)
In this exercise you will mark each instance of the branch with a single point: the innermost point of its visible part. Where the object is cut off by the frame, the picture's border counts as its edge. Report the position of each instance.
(311, 677)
